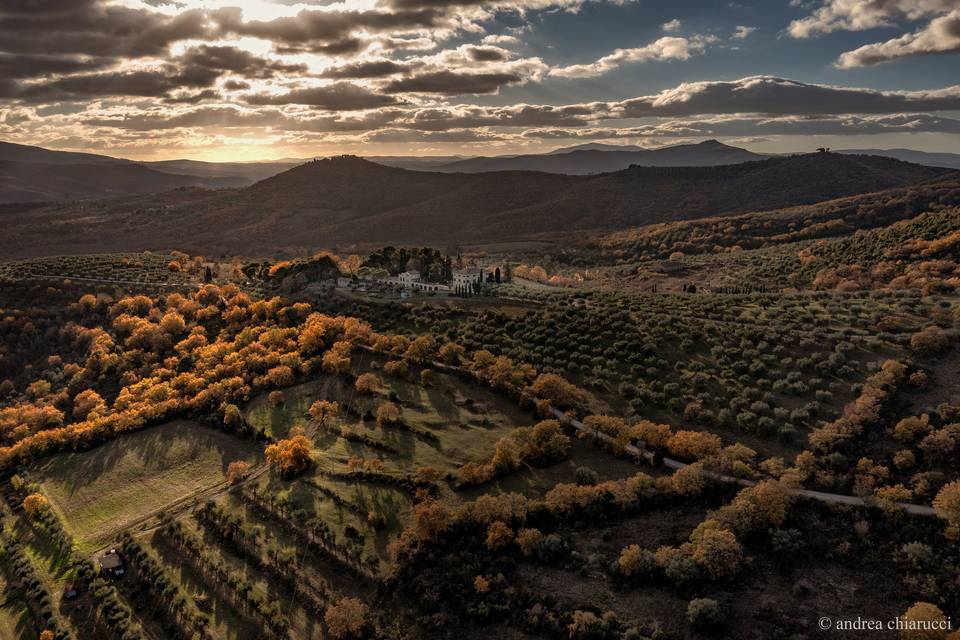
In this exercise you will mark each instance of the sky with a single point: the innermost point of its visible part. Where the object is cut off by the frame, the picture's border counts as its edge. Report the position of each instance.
(268, 79)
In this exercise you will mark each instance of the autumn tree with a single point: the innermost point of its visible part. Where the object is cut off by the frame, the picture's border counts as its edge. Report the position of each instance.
(237, 471)
(634, 561)
(387, 413)
(366, 382)
(35, 504)
(694, 445)
(430, 519)
(291, 456)
(499, 535)
(395, 368)
(337, 359)
(947, 507)
(87, 402)
(529, 541)
(924, 621)
(345, 619)
(689, 480)
(552, 387)
(451, 353)
(421, 350)
(323, 410)
(718, 551)
(427, 475)
(930, 340)
(481, 585)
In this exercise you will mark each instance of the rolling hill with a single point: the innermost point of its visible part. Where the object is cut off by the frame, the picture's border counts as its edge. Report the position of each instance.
(346, 200)
(931, 159)
(591, 159)
(35, 174)
(45, 182)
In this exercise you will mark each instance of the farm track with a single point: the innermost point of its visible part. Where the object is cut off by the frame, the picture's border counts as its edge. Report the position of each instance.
(143, 523)
(49, 276)
(671, 463)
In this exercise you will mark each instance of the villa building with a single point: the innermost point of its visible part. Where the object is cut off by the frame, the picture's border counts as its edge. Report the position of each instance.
(464, 280)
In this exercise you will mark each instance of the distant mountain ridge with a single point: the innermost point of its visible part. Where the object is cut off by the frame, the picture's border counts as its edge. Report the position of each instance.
(595, 158)
(931, 159)
(61, 178)
(35, 174)
(45, 182)
(347, 200)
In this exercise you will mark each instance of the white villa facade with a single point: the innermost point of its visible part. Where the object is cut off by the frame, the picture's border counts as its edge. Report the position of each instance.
(411, 280)
(463, 281)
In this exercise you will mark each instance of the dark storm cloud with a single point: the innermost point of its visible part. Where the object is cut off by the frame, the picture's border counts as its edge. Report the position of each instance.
(340, 96)
(453, 83)
(96, 29)
(35, 66)
(366, 69)
(135, 83)
(487, 54)
(778, 96)
(236, 60)
(342, 47)
(202, 117)
(309, 29)
(193, 98)
(234, 118)
(28, 7)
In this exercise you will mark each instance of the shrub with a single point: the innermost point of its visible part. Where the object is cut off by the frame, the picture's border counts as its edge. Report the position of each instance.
(529, 541)
(930, 340)
(705, 614)
(719, 552)
(585, 476)
(636, 561)
(481, 584)
(499, 535)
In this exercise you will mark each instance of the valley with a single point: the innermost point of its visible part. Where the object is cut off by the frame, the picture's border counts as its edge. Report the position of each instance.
(749, 417)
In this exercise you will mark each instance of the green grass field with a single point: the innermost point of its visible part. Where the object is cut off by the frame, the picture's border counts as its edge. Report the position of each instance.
(100, 491)
(467, 420)
(15, 621)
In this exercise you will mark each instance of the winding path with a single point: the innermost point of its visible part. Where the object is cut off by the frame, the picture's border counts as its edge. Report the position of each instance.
(644, 454)
(639, 453)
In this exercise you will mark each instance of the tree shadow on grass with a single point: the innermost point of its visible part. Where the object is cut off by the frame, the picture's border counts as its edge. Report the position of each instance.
(223, 614)
(150, 451)
(25, 626)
